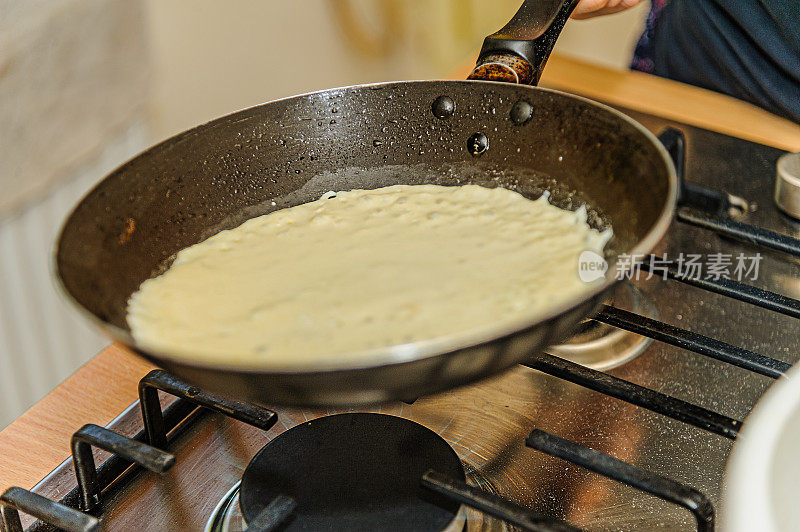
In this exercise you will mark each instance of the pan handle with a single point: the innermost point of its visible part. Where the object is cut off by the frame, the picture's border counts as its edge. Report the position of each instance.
(518, 52)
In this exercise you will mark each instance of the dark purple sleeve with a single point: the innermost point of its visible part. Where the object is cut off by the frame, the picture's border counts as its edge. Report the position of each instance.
(749, 49)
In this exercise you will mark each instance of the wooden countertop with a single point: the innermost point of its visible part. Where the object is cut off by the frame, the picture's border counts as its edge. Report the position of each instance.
(39, 440)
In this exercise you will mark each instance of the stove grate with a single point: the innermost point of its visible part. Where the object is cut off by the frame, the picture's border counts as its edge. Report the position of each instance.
(493, 505)
(59, 515)
(608, 466)
(634, 394)
(166, 382)
(703, 345)
(129, 449)
(726, 287)
(743, 232)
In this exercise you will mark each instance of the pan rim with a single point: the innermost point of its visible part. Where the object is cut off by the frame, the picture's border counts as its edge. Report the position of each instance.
(402, 353)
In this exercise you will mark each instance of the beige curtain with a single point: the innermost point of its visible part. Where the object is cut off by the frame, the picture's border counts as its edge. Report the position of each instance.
(72, 74)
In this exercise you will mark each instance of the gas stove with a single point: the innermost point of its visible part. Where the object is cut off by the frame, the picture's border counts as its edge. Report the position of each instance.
(626, 427)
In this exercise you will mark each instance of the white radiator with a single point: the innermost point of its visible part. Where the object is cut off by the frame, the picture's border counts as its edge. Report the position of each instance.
(42, 339)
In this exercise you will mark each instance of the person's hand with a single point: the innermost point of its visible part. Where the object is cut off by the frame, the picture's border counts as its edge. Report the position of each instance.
(593, 8)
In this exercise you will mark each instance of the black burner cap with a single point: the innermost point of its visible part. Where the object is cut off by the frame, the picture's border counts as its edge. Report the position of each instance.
(354, 471)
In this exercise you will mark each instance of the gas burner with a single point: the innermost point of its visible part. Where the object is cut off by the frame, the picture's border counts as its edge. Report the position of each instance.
(600, 346)
(355, 471)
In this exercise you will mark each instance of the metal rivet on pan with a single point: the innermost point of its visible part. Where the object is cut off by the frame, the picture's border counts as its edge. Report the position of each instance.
(478, 144)
(521, 112)
(443, 107)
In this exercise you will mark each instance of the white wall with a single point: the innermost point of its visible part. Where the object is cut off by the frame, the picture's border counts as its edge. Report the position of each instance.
(215, 57)
(605, 40)
(73, 82)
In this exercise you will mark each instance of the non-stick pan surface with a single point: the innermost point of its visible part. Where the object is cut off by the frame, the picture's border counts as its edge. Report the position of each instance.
(293, 150)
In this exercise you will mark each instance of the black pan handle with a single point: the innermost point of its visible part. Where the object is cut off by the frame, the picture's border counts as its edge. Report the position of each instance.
(518, 52)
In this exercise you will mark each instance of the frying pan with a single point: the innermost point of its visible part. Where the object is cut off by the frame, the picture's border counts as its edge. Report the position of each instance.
(291, 151)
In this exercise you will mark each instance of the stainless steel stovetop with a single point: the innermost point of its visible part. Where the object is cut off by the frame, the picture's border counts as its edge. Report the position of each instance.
(487, 423)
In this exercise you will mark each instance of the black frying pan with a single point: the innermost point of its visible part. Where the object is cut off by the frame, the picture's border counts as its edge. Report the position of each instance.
(291, 151)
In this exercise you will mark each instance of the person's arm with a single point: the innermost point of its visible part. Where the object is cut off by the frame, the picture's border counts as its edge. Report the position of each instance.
(593, 8)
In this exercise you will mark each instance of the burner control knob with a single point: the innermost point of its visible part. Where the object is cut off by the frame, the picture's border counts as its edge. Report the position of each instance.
(787, 184)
